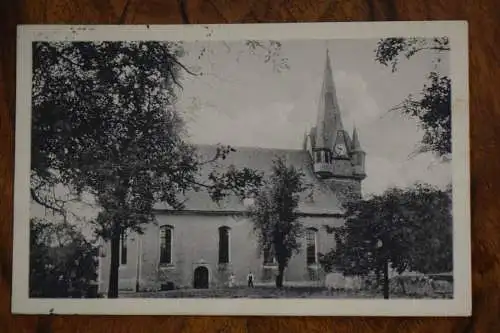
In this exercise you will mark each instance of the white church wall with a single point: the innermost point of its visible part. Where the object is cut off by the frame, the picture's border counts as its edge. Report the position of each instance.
(195, 242)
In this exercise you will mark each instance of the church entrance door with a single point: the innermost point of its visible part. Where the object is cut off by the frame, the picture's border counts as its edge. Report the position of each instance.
(200, 277)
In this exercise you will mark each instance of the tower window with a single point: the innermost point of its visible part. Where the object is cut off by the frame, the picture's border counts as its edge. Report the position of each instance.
(311, 246)
(224, 245)
(318, 157)
(123, 248)
(166, 233)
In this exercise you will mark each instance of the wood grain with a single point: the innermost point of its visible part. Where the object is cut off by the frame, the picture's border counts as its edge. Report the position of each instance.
(483, 17)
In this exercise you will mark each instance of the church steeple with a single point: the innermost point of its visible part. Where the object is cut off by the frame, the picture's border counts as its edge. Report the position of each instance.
(333, 152)
(337, 161)
(332, 143)
(329, 120)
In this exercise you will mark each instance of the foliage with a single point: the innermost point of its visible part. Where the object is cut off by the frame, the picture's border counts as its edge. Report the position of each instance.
(62, 262)
(432, 108)
(268, 52)
(433, 111)
(272, 53)
(390, 50)
(411, 228)
(271, 49)
(84, 103)
(104, 124)
(274, 214)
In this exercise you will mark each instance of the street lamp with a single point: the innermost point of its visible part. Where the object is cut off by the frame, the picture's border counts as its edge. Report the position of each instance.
(379, 246)
(138, 264)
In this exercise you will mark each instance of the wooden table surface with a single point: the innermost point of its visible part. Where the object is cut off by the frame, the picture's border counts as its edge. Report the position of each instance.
(484, 30)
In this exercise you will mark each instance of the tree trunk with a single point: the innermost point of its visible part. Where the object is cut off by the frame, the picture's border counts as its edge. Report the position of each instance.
(386, 279)
(115, 263)
(402, 284)
(279, 277)
(279, 280)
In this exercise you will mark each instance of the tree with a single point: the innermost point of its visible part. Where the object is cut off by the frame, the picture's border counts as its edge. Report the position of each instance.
(274, 214)
(433, 230)
(432, 107)
(406, 229)
(62, 262)
(104, 124)
(390, 51)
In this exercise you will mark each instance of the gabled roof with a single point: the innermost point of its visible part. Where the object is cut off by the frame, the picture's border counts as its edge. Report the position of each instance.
(320, 199)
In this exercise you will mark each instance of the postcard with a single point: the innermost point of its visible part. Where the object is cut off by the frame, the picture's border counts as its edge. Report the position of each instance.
(306, 169)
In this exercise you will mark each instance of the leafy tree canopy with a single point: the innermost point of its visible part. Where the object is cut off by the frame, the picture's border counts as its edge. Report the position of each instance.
(390, 51)
(104, 122)
(432, 106)
(411, 228)
(274, 214)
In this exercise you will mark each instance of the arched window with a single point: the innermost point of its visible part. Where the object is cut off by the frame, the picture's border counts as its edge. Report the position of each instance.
(224, 245)
(311, 251)
(269, 258)
(166, 237)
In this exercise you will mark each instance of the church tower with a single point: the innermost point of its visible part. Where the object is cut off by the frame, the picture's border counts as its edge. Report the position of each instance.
(337, 160)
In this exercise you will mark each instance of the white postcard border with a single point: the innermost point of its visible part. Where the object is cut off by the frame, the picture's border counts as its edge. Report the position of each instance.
(460, 305)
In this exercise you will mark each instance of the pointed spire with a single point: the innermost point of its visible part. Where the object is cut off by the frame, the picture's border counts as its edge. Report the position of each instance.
(329, 120)
(356, 146)
(327, 74)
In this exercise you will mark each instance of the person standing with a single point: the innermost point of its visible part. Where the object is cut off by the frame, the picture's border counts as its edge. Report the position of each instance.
(232, 280)
(250, 279)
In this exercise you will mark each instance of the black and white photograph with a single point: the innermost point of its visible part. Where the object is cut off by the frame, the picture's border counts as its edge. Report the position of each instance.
(265, 169)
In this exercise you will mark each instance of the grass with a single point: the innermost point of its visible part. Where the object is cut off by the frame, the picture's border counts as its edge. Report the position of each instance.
(267, 292)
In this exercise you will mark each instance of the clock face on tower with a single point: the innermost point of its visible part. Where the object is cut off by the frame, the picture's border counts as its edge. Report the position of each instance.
(340, 149)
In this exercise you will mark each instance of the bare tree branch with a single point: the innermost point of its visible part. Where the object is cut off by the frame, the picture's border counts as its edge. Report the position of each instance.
(175, 61)
(45, 204)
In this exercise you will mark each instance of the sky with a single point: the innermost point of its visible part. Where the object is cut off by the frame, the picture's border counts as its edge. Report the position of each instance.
(241, 100)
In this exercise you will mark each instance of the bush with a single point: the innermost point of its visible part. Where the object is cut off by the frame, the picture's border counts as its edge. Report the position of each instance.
(62, 263)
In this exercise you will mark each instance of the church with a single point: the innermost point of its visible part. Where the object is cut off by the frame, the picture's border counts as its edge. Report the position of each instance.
(205, 243)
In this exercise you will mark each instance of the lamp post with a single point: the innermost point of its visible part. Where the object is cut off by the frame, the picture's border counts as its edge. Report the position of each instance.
(138, 265)
(380, 245)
